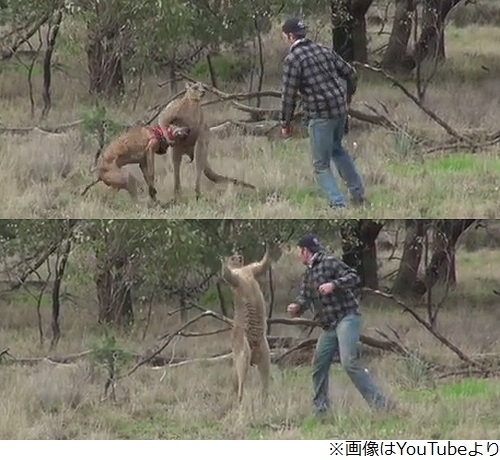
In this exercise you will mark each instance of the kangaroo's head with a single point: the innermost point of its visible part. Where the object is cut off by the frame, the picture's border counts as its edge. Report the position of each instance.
(195, 91)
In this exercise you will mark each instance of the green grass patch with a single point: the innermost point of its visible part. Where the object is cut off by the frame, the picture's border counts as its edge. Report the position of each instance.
(161, 426)
(307, 196)
(341, 425)
(455, 391)
(456, 164)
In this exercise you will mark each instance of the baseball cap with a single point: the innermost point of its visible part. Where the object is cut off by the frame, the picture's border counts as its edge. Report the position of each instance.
(310, 241)
(294, 26)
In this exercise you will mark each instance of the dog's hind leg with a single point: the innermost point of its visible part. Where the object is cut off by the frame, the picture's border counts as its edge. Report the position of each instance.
(120, 179)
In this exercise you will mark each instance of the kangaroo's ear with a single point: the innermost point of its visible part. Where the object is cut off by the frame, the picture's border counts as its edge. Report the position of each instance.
(274, 250)
(187, 85)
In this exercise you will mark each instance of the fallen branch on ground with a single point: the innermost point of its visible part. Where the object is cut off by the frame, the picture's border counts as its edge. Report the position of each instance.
(59, 129)
(304, 344)
(364, 339)
(378, 118)
(452, 132)
(489, 140)
(271, 116)
(166, 342)
(193, 361)
(268, 113)
(427, 326)
(468, 373)
(5, 351)
(68, 359)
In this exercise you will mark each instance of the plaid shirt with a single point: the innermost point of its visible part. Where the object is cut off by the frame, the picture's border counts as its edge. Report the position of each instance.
(331, 308)
(320, 75)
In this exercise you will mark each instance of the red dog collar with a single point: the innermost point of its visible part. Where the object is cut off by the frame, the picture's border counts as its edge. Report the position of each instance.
(161, 133)
(170, 134)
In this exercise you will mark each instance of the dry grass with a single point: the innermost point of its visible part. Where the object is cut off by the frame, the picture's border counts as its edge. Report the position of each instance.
(196, 401)
(42, 176)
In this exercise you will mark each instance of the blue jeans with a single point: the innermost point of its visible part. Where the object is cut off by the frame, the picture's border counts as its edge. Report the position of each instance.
(326, 145)
(342, 339)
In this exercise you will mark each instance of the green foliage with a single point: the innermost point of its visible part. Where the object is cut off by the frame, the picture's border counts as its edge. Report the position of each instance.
(17, 12)
(27, 238)
(404, 145)
(146, 33)
(97, 121)
(7, 232)
(158, 252)
(155, 255)
(108, 355)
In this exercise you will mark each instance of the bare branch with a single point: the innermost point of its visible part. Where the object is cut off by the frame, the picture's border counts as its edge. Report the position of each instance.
(172, 336)
(11, 51)
(304, 344)
(205, 334)
(43, 129)
(40, 260)
(426, 325)
(194, 360)
(452, 132)
(51, 359)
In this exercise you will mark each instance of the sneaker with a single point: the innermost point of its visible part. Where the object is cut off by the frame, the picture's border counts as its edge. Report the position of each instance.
(321, 414)
(360, 201)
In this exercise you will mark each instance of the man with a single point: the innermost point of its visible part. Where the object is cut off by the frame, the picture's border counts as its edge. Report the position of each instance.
(326, 83)
(333, 288)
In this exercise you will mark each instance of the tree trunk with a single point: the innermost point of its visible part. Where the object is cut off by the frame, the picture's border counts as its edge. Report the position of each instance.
(349, 28)
(47, 62)
(442, 267)
(104, 56)
(114, 292)
(62, 260)
(431, 44)
(407, 276)
(432, 20)
(395, 56)
(359, 250)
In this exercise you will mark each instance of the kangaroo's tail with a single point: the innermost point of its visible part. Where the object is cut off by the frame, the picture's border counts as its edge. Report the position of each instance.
(218, 178)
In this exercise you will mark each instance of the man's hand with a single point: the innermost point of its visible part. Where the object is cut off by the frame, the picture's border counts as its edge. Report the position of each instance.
(286, 132)
(326, 288)
(293, 309)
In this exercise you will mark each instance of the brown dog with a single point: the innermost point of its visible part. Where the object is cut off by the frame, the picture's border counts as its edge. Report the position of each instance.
(136, 145)
(249, 340)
